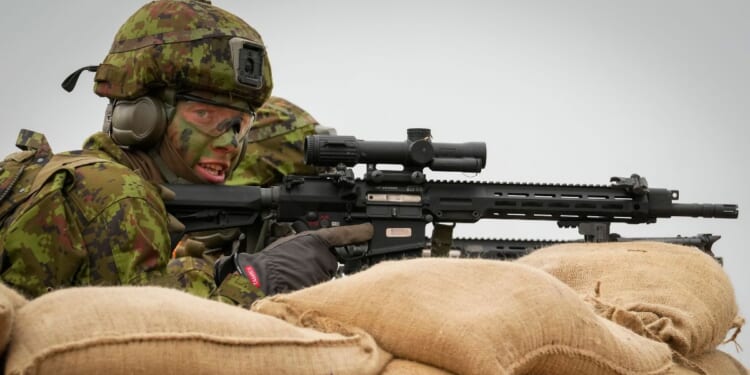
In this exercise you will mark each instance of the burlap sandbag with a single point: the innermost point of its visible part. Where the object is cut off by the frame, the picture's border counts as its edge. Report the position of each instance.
(399, 366)
(150, 330)
(15, 298)
(672, 293)
(714, 362)
(10, 301)
(472, 316)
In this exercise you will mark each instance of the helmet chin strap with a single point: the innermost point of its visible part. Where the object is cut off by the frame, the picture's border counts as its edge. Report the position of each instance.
(172, 166)
(167, 159)
(166, 173)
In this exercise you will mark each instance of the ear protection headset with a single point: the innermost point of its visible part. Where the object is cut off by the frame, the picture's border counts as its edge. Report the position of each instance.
(138, 123)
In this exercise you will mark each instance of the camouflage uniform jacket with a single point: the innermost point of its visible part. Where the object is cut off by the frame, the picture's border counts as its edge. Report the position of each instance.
(94, 221)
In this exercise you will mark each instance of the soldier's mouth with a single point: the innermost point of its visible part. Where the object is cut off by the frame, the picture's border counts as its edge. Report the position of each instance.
(214, 169)
(211, 172)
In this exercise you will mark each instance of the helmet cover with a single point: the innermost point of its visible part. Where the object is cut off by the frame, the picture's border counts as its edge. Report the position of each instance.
(186, 45)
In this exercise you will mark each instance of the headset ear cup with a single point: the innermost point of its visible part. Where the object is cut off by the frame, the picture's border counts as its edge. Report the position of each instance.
(137, 123)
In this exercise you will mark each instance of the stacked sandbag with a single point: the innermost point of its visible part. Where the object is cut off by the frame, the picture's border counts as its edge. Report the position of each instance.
(14, 297)
(712, 363)
(150, 330)
(10, 302)
(472, 316)
(670, 293)
(399, 366)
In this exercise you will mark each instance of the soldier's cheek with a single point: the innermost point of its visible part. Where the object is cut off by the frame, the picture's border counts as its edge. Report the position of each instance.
(193, 144)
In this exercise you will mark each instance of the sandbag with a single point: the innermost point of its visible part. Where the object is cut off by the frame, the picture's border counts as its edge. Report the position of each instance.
(473, 316)
(671, 293)
(150, 330)
(714, 362)
(399, 366)
(15, 298)
(10, 301)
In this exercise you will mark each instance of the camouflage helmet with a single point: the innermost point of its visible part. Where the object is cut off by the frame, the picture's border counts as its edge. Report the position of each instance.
(185, 45)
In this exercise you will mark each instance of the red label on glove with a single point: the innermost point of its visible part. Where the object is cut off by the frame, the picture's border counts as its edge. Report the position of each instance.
(252, 276)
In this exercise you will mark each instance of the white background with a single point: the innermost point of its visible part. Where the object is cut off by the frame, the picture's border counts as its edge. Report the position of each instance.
(562, 91)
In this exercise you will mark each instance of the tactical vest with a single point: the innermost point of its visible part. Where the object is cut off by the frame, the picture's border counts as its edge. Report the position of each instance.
(23, 173)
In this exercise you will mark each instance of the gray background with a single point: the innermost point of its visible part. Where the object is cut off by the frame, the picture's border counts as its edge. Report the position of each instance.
(561, 91)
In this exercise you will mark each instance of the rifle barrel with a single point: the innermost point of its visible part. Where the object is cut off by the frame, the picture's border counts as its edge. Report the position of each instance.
(725, 211)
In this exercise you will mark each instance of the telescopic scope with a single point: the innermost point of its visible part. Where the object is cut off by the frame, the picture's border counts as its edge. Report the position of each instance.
(418, 151)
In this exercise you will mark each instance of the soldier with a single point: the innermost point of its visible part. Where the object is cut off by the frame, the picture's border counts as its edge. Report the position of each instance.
(184, 79)
(276, 144)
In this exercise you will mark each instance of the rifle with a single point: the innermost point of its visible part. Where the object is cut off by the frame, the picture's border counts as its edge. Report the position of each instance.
(400, 203)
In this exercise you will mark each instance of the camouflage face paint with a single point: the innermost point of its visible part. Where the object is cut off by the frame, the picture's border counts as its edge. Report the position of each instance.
(208, 137)
(215, 120)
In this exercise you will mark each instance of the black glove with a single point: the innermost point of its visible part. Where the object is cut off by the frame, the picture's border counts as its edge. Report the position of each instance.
(293, 262)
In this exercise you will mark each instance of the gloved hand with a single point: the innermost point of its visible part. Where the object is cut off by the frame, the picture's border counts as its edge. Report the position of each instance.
(293, 262)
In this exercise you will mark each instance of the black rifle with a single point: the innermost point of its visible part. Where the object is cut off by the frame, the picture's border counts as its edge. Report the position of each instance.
(399, 204)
